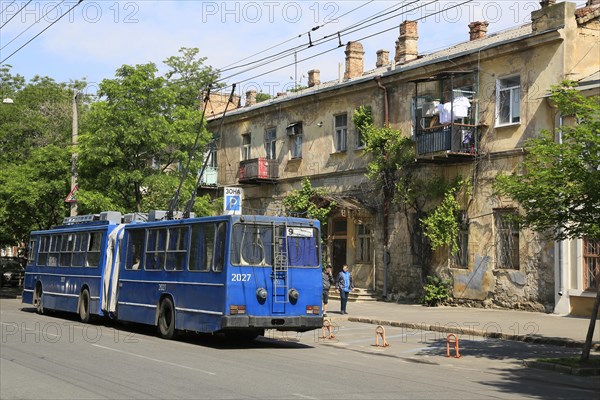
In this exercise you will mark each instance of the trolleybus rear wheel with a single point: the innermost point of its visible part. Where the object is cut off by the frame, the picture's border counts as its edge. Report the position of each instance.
(166, 319)
(37, 299)
(84, 306)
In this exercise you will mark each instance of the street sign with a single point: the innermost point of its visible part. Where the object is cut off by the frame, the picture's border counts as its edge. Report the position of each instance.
(232, 200)
(71, 198)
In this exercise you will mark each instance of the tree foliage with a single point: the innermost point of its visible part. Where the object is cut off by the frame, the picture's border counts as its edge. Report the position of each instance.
(558, 183)
(35, 139)
(307, 203)
(137, 137)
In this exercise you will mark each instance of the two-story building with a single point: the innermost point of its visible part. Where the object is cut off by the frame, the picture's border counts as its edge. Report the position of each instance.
(469, 109)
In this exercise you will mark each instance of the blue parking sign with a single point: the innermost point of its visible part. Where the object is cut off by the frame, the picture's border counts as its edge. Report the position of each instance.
(232, 200)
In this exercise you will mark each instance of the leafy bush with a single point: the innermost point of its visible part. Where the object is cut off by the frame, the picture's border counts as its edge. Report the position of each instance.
(437, 290)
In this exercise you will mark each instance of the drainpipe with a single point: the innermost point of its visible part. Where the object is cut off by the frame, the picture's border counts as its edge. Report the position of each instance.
(386, 257)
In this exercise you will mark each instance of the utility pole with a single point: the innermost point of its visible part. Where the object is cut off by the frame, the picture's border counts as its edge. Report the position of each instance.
(74, 132)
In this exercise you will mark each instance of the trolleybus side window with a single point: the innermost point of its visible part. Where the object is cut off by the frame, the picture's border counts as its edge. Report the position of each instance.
(43, 250)
(135, 249)
(66, 249)
(54, 251)
(220, 247)
(93, 253)
(31, 251)
(201, 251)
(79, 249)
(177, 248)
(155, 249)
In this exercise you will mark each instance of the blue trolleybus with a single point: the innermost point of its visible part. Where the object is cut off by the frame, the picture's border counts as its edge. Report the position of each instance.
(238, 274)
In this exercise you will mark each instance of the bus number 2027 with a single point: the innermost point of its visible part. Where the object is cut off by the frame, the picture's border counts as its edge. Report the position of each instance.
(240, 277)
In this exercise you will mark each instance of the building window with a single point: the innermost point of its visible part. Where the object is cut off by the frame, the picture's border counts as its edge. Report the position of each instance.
(591, 264)
(270, 141)
(508, 101)
(461, 258)
(246, 145)
(363, 243)
(296, 143)
(294, 132)
(339, 135)
(507, 239)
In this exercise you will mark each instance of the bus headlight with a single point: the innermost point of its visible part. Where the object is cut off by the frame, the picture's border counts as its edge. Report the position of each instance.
(293, 295)
(261, 295)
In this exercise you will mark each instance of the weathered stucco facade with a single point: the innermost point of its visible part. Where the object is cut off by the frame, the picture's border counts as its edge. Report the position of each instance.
(505, 78)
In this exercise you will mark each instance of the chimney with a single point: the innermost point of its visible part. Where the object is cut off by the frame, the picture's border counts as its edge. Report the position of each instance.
(478, 30)
(382, 58)
(281, 94)
(354, 60)
(406, 45)
(250, 98)
(314, 77)
(553, 16)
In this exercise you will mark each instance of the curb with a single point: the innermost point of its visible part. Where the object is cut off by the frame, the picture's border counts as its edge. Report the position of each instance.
(477, 332)
(565, 369)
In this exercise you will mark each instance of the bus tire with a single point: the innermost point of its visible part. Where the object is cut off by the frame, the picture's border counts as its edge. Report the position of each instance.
(166, 319)
(84, 306)
(37, 299)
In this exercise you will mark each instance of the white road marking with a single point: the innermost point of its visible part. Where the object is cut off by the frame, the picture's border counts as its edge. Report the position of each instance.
(154, 359)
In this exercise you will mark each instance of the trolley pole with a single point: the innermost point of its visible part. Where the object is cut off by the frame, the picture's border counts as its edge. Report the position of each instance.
(74, 132)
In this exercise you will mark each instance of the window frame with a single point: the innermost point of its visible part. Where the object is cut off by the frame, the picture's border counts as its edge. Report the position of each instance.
(507, 235)
(271, 143)
(296, 142)
(500, 91)
(362, 256)
(246, 146)
(340, 133)
(590, 255)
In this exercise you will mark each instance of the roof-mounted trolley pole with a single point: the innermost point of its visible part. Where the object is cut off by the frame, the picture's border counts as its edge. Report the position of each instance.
(190, 204)
(175, 200)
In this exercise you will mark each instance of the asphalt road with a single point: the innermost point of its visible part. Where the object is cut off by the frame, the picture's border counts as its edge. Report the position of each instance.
(56, 357)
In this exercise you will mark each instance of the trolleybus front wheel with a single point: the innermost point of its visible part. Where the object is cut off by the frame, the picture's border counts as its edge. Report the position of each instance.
(84, 306)
(166, 319)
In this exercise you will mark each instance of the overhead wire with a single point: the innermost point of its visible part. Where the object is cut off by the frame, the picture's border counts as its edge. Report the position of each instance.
(231, 66)
(6, 8)
(31, 26)
(332, 49)
(43, 30)
(15, 14)
(328, 38)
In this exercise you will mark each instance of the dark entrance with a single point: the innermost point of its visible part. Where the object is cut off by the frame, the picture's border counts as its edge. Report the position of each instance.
(339, 255)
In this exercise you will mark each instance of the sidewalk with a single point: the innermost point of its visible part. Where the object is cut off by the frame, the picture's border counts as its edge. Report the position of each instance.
(505, 324)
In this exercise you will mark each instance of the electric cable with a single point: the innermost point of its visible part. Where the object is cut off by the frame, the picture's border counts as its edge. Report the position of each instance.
(31, 26)
(44, 30)
(17, 13)
(6, 8)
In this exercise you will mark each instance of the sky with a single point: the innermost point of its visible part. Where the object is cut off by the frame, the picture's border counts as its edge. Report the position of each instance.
(95, 38)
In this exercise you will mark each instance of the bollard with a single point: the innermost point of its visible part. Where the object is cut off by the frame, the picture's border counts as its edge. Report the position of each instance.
(327, 327)
(452, 340)
(380, 331)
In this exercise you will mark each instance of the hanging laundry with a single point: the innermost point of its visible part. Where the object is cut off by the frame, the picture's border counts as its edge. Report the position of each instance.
(461, 107)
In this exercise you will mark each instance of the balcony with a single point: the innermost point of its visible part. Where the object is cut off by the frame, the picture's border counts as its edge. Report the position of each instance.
(451, 141)
(258, 170)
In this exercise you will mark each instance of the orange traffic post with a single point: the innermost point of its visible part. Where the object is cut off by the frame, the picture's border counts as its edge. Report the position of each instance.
(452, 340)
(380, 331)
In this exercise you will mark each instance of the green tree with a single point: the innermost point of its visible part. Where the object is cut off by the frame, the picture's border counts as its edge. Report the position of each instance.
(135, 139)
(35, 138)
(394, 171)
(558, 183)
(308, 203)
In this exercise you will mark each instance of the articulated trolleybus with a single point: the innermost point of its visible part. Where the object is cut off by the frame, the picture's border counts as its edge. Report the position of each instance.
(233, 274)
